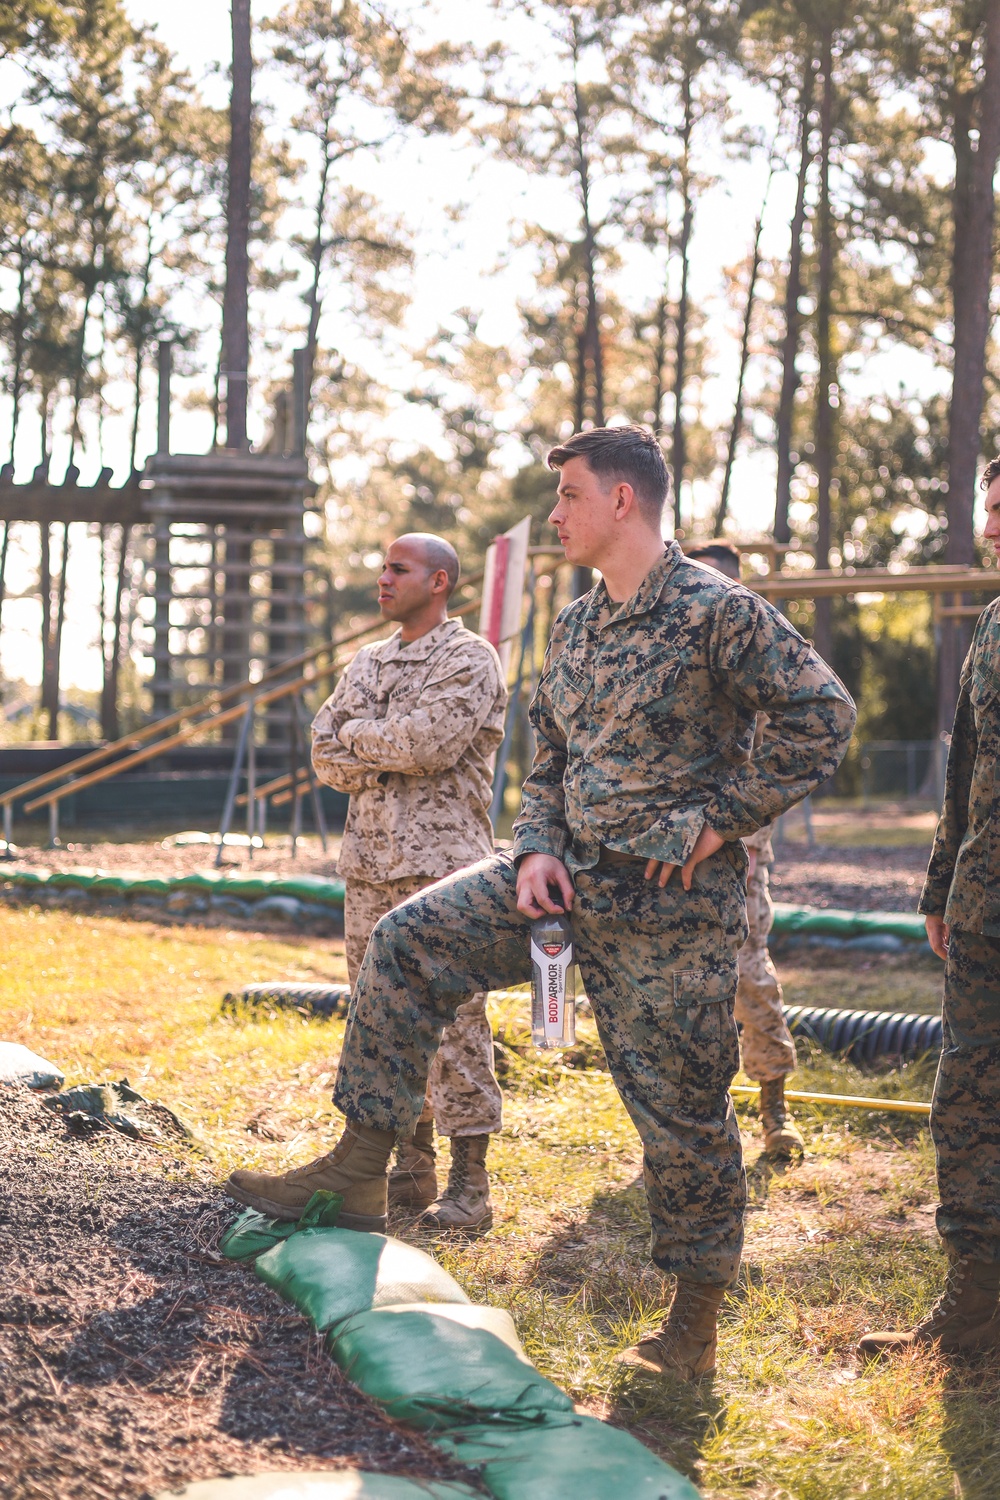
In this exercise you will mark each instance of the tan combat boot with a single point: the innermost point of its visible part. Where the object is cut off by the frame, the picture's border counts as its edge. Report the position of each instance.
(782, 1137)
(465, 1204)
(685, 1345)
(356, 1167)
(965, 1316)
(413, 1180)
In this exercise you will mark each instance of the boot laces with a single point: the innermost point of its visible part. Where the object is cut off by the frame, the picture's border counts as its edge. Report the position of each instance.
(954, 1281)
(331, 1158)
(678, 1320)
(458, 1177)
(773, 1109)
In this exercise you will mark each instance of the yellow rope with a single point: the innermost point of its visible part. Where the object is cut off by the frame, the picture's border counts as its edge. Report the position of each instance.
(843, 1101)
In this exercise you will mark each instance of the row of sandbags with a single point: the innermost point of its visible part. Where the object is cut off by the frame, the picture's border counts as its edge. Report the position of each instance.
(402, 1329)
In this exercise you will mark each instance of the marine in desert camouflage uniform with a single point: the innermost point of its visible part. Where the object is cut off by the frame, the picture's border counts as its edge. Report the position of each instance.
(410, 732)
(961, 903)
(644, 722)
(766, 1043)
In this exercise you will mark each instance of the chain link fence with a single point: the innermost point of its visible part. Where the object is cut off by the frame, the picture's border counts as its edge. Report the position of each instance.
(898, 768)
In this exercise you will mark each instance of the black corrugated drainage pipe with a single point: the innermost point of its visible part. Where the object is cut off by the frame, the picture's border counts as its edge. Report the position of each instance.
(864, 1035)
(860, 1035)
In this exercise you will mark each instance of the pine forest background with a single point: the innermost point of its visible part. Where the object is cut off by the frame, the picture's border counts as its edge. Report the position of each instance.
(856, 362)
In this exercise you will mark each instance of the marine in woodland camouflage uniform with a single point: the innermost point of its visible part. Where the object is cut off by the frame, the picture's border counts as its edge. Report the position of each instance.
(961, 901)
(644, 719)
(410, 732)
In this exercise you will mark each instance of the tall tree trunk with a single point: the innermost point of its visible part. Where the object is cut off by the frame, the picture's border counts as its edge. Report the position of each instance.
(679, 445)
(580, 381)
(217, 400)
(736, 430)
(790, 344)
(314, 298)
(18, 350)
(139, 347)
(81, 361)
(236, 346)
(110, 726)
(45, 589)
(235, 325)
(660, 360)
(53, 706)
(827, 371)
(592, 360)
(972, 267)
(3, 566)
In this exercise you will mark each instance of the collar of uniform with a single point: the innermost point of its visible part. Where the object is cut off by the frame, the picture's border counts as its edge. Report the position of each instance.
(396, 649)
(646, 596)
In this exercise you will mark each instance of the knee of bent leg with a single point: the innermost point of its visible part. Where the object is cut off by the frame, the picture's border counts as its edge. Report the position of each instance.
(401, 933)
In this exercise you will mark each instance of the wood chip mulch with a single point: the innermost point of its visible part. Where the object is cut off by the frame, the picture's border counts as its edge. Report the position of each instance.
(133, 1358)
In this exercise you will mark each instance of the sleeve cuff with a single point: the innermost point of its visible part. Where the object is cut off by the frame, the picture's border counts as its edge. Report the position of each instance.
(931, 904)
(548, 840)
(728, 817)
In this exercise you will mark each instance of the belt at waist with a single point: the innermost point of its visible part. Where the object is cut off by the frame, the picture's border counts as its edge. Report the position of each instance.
(619, 857)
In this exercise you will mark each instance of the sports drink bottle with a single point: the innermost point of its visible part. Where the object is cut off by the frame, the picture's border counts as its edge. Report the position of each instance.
(553, 983)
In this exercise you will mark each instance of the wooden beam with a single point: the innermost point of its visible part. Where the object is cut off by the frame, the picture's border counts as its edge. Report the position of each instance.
(45, 503)
(817, 583)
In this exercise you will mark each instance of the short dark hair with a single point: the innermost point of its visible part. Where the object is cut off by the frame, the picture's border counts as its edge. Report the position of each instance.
(991, 472)
(623, 455)
(439, 555)
(720, 554)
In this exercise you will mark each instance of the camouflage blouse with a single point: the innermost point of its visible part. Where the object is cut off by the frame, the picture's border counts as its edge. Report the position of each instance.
(645, 713)
(410, 732)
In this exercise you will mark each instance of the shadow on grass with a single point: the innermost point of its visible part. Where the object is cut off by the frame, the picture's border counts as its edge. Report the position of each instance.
(596, 1285)
(970, 1432)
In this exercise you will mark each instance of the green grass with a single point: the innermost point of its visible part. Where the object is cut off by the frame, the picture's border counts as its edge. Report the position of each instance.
(839, 1244)
(861, 981)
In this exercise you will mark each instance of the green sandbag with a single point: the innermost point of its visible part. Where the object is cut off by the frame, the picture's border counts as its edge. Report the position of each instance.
(311, 888)
(318, 1485)
(433, 1373)
(110, 885)
(496, 1320)
(830, 922)
(149, 885)
(579, 1457)
(22, 877)
(330, 1274)
(253, 1233)
(81, 877)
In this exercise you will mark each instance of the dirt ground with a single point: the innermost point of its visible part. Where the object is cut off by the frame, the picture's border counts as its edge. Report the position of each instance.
(132, 1357)
(854, 877)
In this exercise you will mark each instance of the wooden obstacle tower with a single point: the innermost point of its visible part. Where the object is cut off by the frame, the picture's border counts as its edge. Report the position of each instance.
(228, 561)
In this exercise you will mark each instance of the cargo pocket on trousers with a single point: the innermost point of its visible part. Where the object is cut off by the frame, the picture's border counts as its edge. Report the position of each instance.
(701, 1038)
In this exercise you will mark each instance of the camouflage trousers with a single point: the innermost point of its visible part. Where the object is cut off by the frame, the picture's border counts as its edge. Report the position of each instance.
(660, 971)
(768, 1048)
(463, 1096)
(965, 1110)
